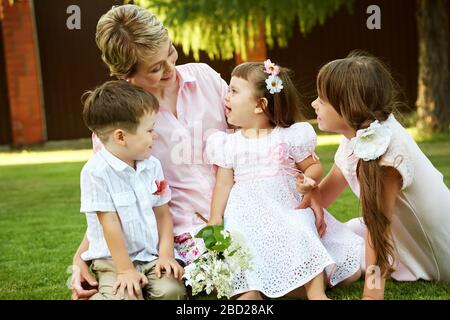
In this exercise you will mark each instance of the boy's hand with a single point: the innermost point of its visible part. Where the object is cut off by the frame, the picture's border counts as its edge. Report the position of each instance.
(305, 184)
(131, 280)
(169, 264)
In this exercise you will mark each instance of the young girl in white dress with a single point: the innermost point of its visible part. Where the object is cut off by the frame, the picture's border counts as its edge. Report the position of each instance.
(256, 191)
(404, 201)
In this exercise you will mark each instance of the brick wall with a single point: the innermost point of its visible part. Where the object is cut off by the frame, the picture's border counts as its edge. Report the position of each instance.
(22, 74)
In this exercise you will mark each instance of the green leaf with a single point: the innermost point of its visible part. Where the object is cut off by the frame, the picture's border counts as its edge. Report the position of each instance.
(205, 232)
(209, 243)
(223, 28)
(213, 238)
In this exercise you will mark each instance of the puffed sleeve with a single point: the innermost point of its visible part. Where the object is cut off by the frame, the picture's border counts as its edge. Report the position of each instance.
(216, 150)
(302, 140)
(398, 156)
(94, 193)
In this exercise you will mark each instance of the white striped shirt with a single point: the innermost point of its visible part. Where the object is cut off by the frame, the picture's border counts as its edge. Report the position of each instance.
(110, 185)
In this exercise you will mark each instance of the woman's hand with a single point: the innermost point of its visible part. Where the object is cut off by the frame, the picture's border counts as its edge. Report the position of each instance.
(83, 282)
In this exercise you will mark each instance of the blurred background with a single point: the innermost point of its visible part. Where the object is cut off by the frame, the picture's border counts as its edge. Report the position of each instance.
(45, 66)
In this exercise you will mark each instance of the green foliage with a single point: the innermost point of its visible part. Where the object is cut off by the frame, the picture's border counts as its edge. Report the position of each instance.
(214, 238)
(224, 27)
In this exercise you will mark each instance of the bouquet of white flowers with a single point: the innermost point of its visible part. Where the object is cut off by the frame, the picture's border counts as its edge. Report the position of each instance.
(213, 271)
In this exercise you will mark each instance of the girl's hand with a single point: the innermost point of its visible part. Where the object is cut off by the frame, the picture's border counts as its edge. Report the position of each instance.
(83, 282)
(305, 184)
(132, 281)
(312, 200)
(169, 264)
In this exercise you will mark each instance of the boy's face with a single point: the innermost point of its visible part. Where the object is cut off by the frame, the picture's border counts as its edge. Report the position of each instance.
(240, 103)
(139, 145)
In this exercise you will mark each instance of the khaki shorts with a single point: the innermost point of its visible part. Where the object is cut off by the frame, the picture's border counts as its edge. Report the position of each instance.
(163, 288)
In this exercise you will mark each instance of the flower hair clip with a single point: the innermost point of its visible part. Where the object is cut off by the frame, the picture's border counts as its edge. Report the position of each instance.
(372, 142)
(273, 83)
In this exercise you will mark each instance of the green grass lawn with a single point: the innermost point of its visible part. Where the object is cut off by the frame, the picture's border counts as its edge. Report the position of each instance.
(41, 228)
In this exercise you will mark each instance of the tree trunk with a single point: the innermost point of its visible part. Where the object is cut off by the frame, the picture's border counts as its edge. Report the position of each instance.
(258, 52)
(433, 99)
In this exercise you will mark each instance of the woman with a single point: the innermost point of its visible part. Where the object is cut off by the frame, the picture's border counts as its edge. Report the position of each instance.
(136, 47)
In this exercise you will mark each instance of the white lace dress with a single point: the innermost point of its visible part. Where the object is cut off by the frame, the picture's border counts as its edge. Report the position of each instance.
(286, 249)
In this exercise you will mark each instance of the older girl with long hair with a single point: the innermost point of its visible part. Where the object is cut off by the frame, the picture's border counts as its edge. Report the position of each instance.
(404, 201)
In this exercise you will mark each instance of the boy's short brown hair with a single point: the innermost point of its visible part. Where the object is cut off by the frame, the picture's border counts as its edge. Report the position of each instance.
(114, 105)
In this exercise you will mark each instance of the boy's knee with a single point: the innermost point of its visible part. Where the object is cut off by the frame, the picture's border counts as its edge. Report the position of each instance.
(104, 296)
(110, 296)
(170, 289)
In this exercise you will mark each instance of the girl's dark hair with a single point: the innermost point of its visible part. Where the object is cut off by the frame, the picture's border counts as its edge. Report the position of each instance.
(284, 108)
(361, 89)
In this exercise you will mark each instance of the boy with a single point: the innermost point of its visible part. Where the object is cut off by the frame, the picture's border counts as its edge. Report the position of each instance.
(130, 228)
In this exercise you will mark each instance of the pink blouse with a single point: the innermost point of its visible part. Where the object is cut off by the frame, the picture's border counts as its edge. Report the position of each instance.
(180, 143)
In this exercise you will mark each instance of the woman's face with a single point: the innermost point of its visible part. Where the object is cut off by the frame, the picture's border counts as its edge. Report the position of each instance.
(158, 71)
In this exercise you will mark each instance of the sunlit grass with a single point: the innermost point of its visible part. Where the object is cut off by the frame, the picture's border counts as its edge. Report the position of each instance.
(42, 157)
(41, 227)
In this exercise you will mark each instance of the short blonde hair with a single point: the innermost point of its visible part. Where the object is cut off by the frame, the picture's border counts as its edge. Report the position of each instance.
(126, 35)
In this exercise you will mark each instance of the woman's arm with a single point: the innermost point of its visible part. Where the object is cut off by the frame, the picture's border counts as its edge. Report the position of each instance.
(332, 186)
(224, 183)
(83, 282)
(84, 246)
(374, 282)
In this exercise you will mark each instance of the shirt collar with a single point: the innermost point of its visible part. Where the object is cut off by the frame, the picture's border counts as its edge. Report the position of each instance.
(119, 165)
(185, 77)
(144, 165)
(113, 161)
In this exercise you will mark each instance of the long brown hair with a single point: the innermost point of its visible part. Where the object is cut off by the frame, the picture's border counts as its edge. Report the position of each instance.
(361, 89)
(284, 108)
